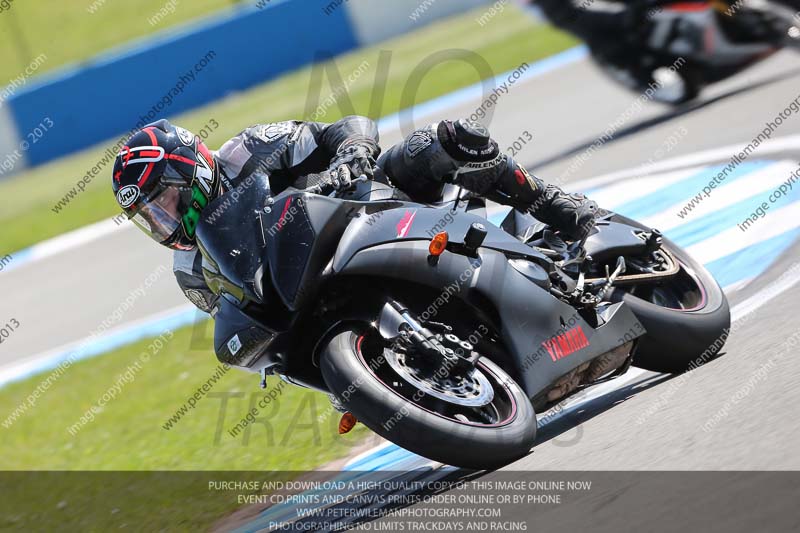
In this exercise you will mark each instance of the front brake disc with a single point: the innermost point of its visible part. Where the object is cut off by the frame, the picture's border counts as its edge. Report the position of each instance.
(470, 388)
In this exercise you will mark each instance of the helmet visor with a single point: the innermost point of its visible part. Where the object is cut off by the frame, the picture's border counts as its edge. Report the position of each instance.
(159, 216)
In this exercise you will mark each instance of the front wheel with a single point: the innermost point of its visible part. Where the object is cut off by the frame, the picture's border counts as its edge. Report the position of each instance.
(477, 418)
(662, 84)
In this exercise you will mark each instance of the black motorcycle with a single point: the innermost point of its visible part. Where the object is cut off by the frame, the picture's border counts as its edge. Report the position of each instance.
(437, 330)
(694, 44)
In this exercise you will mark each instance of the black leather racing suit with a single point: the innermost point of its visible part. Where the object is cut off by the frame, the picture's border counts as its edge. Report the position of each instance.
(286, 152)
(460, 152)
(464, 153)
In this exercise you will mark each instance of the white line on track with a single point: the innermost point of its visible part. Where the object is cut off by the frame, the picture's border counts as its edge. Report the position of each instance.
(65, 242)
(733, 240)
(618, 194)
(723, 154)
(788, 279)
(762, 181)
(90, 346)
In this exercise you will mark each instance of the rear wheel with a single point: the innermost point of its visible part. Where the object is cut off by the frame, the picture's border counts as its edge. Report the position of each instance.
(476, 418)
(687, 317)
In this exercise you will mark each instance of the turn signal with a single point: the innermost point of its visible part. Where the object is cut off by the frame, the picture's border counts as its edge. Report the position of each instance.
(438, 244)
(347, 423)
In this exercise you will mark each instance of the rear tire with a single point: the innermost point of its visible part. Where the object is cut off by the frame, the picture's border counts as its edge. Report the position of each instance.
(679, 340)
(350, 378)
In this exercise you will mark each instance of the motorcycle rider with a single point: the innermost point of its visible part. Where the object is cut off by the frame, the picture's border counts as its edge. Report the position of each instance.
(625, 37)
(165, 176)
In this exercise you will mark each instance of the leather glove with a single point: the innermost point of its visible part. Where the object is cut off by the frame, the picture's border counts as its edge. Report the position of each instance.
(575, 215)
(586, 219)
(357, 156)
(341, 178)
(572, 214)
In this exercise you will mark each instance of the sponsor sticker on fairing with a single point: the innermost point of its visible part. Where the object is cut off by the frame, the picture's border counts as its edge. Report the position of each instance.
(566, 344)
(404, 226)
(234, 345)
(197, 298)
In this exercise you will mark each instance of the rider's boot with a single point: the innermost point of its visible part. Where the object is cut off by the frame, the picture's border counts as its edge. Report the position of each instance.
(464, 153)
(570, 213)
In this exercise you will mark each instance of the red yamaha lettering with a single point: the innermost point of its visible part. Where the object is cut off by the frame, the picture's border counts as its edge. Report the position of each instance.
(566, 343)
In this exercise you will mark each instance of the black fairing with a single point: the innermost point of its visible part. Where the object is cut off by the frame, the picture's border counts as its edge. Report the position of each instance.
(302, 233)
(528, 316)
(417, 222)
(613, 240)
(241, 341)
(230, 237)
(264, 257)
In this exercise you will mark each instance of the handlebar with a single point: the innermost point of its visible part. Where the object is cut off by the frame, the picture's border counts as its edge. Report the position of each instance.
(326, 179)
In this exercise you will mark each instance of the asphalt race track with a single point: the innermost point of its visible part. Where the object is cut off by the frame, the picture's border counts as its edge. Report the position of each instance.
(643, 421)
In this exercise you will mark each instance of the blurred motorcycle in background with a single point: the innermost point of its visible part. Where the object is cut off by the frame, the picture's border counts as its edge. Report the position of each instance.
(673, 50)
(707, 42)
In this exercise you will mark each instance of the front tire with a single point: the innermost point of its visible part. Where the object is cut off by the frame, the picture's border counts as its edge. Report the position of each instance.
(351, 373)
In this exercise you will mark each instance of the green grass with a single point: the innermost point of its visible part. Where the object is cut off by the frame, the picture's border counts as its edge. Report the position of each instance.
(127, 435)
(508, 40)
(66, 32)
(103, 502)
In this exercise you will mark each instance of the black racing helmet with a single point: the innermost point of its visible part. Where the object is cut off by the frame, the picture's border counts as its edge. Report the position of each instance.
(163, 177)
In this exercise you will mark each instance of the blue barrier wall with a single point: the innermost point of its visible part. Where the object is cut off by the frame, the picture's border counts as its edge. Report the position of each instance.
(181, 69)
(112, 94)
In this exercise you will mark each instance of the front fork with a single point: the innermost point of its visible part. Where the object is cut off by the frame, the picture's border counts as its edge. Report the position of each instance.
(398, 325)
